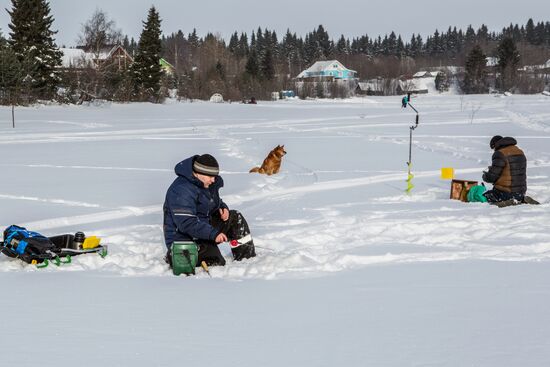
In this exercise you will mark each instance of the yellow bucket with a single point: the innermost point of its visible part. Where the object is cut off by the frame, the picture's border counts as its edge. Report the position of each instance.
(91, 242)
(447, 173)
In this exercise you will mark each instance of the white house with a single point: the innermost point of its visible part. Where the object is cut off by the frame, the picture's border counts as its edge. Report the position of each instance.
(426, 74)
(80, 58)
(76, 58)
(328, 70)
(491, 61)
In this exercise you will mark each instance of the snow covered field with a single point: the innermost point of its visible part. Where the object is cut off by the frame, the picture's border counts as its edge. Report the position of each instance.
(350, 269)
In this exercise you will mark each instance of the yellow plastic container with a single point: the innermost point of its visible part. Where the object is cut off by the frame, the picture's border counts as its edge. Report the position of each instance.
(91, 242)
(447, 173)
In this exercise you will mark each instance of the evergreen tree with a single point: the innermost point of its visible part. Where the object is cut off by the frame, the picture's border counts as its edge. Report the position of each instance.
(252, 68)
(126, 43)
(252, 42)
(275, 51)
(530, 31)
(470, 37)
(10, 74)
(146, 70)
(242, 47)
(193, 39)
(260, 45)
(391, 44)
(267, 66)
(508, 62)
(475, 78)
(326, 46)
(400, 48)
(233, 43)
(483, 34)
(31, 39)
(441, 82)
(539, 34)
(341, 46)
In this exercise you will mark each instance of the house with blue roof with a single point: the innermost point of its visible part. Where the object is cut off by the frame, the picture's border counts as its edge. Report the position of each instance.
(327, 70)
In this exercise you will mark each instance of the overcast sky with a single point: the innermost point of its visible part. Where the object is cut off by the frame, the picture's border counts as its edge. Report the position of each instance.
(349, 17)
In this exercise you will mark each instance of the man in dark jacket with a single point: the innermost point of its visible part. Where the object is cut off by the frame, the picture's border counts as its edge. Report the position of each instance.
(194, 211)
(508, 171)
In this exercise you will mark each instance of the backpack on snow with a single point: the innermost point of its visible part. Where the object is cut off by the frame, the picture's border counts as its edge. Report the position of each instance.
(475, 194)
(29, 246)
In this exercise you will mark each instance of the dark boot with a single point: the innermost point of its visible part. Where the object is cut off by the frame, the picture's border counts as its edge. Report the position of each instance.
(168, 258)
(530, 200)
(210, 254)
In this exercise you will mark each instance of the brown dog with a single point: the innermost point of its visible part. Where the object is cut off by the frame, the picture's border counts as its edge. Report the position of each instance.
(272, 163)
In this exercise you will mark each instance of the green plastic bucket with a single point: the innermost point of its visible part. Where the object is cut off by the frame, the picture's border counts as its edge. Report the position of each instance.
(184, 257)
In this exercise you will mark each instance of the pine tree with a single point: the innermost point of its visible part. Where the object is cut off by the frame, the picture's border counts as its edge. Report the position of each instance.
(508, 62)
(233, 43)
(539, 34)
(193, 39)
(475, 78)
(400, 48)
(252, 68)
(391, 44)
(146, 70)
(530, 32)
(341, 46)
(325, 45)
(10, 73)
(267, 68)
(31, 39)
(483, 34)
(242, 47)
(441, 82)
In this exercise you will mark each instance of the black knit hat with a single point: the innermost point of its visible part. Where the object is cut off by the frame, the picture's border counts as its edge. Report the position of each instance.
(494, 141)
(206, 165)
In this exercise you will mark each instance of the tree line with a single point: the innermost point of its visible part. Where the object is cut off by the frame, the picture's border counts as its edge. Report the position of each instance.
(248, 64)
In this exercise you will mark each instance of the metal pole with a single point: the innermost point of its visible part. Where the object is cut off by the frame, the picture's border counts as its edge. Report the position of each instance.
(13, 116)
(410, 145)
(409, 163)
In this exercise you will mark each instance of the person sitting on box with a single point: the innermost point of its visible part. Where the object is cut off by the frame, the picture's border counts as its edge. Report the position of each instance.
(507, 173)
(194, 211)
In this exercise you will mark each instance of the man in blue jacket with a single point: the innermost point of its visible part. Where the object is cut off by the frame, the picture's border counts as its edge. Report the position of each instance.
(194, 211)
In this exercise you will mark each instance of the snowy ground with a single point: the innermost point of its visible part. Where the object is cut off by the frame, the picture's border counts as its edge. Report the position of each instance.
(350, 269)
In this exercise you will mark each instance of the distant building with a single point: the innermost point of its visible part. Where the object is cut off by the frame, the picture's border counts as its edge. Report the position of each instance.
(81, 58)
(422, 82)
(167, 67)
(327, 71)
(491, 61)
(416, 86)
(376, 87)
(426, 74)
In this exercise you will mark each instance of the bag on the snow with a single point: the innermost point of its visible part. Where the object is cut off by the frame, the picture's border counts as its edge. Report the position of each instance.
(184, 257)
(27, 245)
(460, 188)
(475, 194)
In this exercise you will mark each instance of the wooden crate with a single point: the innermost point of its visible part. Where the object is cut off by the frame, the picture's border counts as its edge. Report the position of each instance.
(460, 188)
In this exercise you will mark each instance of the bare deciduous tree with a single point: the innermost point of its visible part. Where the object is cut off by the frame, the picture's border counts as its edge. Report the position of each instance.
(99, 31)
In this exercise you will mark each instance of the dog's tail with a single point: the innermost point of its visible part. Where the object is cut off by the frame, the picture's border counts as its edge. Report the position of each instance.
(255, 170)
